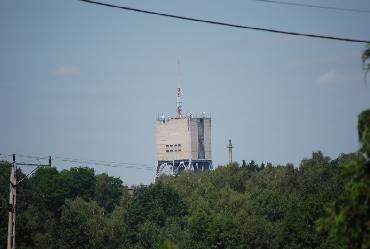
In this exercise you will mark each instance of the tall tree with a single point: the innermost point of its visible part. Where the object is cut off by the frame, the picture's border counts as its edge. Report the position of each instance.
(348, 220)
(148, 211)
(108, 191)
(365, 59)
(82, 226)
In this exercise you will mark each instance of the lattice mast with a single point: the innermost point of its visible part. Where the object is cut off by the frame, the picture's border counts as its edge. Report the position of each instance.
(230, 148)
(178, 103)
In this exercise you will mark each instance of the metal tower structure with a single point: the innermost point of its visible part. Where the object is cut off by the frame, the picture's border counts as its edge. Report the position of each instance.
(178, 103)
(183, 142)
(230, 148)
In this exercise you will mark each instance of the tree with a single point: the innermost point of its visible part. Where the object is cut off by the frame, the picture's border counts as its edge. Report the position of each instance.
(364, 133)
(365, 57)
(148, 211)
(4, 194)
(348, 219)
(108, 191)
(168, 244)
(48, 193)
(23, 198)
(78, 182)
(82, 225)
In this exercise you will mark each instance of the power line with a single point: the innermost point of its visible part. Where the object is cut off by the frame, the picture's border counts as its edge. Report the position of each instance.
(101, 162)
(90, 162)
(87, 163)
(104, 163)
(4, 155)
(225, 24)
(32, 157)
(314, 6)
(32, 160)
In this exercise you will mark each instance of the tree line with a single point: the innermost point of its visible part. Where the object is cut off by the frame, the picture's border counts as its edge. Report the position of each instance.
(322, 203)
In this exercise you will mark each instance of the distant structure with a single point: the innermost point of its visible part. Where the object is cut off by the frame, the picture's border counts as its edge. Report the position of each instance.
(183, 142)
(178, 103)
(230, 148)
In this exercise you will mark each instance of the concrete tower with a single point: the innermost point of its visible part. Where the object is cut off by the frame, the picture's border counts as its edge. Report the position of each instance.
(183, 142)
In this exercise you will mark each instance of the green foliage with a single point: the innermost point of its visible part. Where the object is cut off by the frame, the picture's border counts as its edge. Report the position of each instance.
(78, 182)
(167, 244)
(4, 195)
(258, 206)
(249, 206)
(365, 59)
(364, 132)
(323, 204)
(108, 191)
(148, 211)
(82, 225)
(52, 206)
(348, 218)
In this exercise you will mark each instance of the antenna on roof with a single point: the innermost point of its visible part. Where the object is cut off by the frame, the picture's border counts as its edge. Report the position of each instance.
(178, 95)
(178, 104)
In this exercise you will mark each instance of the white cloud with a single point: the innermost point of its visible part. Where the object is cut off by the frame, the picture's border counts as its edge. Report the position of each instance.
(68, 70)
(334, 78)
(329, 77)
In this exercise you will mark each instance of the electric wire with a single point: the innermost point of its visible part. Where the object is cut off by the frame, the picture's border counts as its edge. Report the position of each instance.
(104, 163)
(225, 24)
(314, 6)
(90, 162)
(5, 155)
(31, 161)
(107, 165)
(26, 176)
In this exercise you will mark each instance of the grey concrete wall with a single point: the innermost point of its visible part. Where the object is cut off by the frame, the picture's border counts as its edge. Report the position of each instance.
(185, 132)
(207, 138)
(170, 133)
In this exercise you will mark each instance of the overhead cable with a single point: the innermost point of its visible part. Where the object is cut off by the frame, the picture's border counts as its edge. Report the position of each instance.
(315, 6)
(87, 163)
(225, 24)
(90, 162)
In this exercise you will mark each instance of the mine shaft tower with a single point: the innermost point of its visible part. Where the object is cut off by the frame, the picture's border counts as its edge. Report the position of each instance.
(183, 142)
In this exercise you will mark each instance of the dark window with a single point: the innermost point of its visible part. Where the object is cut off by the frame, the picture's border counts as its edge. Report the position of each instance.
(167, 151)
(171, 150)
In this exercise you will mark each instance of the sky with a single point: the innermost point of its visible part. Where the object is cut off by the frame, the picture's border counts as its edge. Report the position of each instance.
(87, 82)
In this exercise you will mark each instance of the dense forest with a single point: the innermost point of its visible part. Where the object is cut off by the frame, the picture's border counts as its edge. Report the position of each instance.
(321, 203)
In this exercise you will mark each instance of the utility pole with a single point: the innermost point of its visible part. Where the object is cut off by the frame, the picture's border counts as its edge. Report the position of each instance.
(230, 147)
(13, 198)
(12, 202)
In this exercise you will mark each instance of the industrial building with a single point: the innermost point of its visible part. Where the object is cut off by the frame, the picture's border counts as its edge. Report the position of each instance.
(183, 142)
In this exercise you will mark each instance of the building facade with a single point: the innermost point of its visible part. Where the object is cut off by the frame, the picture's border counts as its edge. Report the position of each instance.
(183, 143)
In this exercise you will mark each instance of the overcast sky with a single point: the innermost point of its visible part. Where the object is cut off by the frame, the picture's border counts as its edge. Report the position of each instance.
(87, 82)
